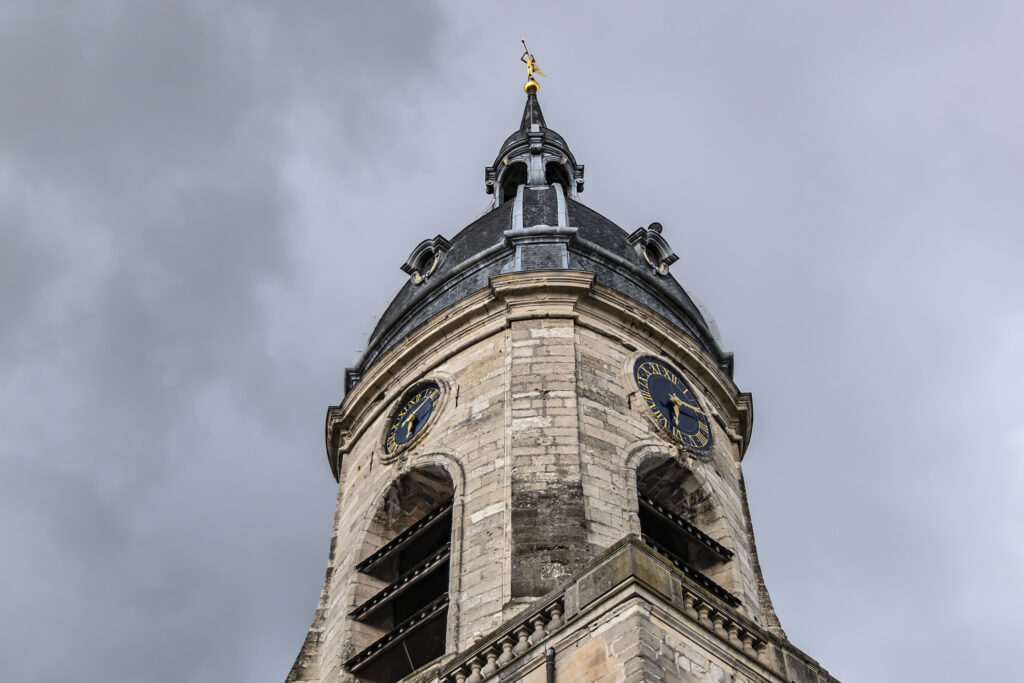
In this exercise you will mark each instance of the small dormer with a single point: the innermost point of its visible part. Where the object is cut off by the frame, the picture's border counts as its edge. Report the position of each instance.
(425, 258)
(653, 248)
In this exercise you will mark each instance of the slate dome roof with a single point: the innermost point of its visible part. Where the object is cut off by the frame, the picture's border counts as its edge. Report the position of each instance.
(537, 222)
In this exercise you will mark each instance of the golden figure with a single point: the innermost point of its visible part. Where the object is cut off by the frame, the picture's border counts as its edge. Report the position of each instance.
(531, 68)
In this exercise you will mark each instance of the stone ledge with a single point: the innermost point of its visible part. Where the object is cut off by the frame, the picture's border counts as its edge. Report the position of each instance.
(524, 295)
(626, 572)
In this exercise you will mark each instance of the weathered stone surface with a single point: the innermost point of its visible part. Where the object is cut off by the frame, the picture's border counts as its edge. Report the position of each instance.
(540, 434)
(631, 632)
(549, 541)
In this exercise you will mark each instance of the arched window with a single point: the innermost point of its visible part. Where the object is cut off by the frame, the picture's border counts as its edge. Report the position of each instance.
(557, 173)
(511, 179)
(680, 520)
(402, 612)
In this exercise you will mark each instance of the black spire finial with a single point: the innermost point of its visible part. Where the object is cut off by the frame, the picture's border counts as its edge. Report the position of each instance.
(532, 114)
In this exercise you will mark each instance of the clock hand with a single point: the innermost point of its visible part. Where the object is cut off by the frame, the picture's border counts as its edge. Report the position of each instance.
(408, 424)
(408, 420)
(676, 402)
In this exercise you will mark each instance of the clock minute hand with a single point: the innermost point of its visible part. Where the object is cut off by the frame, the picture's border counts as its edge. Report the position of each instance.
(676, 402)
(408, 420)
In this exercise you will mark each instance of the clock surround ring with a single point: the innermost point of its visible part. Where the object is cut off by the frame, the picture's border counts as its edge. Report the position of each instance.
(661, 410)
(387, 456)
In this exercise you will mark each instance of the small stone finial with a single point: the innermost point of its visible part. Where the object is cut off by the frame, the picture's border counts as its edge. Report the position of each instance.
(531, 67)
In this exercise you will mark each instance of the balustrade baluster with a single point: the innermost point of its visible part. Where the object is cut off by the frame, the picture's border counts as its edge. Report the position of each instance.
(507, 643)
(524, 644)
(538, 630)
(688, 605)
(555, 613)
(492, 661)
(475, 665)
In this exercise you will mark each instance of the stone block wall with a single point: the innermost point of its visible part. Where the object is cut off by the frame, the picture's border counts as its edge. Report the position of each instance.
(541, 433)
(549, 540)
(629, 617)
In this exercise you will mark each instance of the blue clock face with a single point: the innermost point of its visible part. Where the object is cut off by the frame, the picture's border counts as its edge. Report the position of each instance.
(412, 418)
(672, 403)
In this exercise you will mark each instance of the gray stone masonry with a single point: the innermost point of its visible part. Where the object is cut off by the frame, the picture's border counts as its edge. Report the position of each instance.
(631, 617)
(541, 433)
(549, 538)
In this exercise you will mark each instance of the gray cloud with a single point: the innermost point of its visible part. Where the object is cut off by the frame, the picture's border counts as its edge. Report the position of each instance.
(202, 207)
(147, 225)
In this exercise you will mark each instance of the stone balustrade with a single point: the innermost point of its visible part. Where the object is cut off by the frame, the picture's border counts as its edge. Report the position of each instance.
(629, 572)
(490, 654)
(720, 622)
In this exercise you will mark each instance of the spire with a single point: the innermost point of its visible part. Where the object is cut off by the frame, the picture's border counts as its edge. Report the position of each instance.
(534, 155)
(532, 113)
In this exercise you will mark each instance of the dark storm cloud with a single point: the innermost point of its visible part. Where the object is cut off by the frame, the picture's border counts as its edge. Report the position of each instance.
(842, 185)
(146, 215)
(202, 205)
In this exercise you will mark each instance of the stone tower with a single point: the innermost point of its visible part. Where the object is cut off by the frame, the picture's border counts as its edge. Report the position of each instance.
(538, 462)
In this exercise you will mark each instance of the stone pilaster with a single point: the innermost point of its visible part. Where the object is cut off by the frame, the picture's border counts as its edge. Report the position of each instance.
(548, 517)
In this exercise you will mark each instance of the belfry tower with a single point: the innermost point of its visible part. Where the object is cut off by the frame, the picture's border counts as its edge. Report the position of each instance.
(539, 462)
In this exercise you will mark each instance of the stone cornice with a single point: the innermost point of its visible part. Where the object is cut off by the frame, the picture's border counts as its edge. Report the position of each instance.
(525, 295)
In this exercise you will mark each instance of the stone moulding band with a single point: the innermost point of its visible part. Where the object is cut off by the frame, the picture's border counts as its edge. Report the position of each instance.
(518, 296)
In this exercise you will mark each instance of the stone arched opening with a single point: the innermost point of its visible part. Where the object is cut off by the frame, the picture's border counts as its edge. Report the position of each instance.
(679, 516)
(399, 622)
(555, 172)
(514, 176)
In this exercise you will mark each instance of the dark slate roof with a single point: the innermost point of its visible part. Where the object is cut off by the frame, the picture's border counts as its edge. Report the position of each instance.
(597, 229)
(661, 293)
(532, 114)
(582, 239)
(482, 233)
(481, 250)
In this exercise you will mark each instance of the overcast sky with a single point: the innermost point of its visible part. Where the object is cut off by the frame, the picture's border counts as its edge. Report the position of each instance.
(203, 206)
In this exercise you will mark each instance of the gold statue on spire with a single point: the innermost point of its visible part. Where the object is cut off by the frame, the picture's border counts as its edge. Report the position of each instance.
(531, 68)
